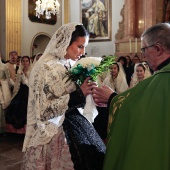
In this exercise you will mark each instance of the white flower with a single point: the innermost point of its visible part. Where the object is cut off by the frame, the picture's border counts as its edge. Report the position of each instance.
(88, 61)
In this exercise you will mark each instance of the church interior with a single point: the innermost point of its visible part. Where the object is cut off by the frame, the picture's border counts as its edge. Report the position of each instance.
(22, 31)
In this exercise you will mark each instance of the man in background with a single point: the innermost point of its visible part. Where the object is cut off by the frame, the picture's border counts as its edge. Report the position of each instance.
(12, 64)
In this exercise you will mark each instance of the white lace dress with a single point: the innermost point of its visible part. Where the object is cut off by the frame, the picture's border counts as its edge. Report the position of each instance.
(50, 98)
(45, 146)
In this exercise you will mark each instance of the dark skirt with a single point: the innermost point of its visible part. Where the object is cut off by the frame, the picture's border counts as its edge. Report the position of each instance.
(86, 147)
(101, 122)
(16, 112)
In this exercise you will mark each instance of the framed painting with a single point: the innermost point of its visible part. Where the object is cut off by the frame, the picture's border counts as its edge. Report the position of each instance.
(42, 19)
(96, 17)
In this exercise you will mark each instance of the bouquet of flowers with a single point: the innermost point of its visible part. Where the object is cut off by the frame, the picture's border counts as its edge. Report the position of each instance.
(90, 67)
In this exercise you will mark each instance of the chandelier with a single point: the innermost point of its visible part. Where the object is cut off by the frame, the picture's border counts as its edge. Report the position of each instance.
(47, 6)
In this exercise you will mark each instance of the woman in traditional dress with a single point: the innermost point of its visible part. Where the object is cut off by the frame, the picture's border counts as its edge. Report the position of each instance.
(117, 78)
(140, 73)
(52, 109)
(16, 112)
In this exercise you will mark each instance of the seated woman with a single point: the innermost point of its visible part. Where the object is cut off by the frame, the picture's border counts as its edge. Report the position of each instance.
(16, 112)
(140, 73)
(117, 78)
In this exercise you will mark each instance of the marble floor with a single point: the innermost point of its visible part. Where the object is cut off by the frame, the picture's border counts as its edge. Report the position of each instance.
(11, 151)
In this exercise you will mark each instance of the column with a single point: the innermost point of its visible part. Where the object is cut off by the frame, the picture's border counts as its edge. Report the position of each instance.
(130, 19)
(150, 13)
(13, 26)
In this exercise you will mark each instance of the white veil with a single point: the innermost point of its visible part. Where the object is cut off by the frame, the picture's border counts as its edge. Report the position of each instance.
(119, 84)
(134, 79)
(20, 70)
(59, 42)
(21, 77)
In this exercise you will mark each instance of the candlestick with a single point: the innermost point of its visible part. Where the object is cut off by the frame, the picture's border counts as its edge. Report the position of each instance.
(136, 45)
(130, 45)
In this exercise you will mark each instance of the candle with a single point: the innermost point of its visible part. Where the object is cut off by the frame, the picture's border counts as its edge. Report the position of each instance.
(136, 45)
(130, 45)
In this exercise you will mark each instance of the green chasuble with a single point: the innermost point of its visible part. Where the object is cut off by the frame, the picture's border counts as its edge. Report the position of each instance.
(139, 126)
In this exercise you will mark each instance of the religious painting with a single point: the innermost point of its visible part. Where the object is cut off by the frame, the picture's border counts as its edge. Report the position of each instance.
(96, 17)
(33, 18)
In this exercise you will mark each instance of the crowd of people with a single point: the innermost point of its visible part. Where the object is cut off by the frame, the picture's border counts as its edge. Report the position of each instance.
(14, 92)
(131, 130)
(125, 73)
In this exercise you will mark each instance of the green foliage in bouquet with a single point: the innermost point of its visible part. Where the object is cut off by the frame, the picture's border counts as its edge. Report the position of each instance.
(103, 67)
(79, 73)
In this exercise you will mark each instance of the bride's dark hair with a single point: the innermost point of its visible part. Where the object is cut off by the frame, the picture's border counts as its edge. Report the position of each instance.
(80, 31)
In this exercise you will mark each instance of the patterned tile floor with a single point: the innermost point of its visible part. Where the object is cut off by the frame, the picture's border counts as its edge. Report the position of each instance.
(11, 151)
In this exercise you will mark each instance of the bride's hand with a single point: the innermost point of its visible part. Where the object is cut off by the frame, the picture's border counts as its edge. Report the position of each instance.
(87, 86)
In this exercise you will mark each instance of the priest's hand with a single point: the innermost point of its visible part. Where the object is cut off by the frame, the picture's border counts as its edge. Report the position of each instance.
(101, 94)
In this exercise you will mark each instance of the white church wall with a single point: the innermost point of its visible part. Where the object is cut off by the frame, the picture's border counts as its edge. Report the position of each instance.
(31, 29)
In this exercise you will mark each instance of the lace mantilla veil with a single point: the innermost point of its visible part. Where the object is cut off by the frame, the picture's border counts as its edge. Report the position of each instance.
(39, 132)
(58, 47)
(59, 42)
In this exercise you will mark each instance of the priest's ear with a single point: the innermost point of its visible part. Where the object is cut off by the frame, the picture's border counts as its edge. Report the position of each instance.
(159, 48)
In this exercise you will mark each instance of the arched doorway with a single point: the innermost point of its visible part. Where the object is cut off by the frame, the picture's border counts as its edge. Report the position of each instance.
(39, 43)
